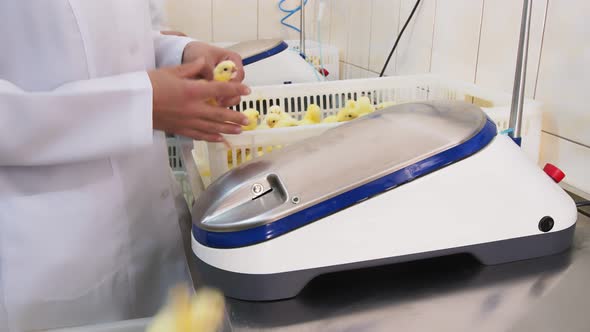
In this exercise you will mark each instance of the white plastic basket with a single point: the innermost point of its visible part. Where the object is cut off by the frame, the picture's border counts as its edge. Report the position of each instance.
(212, 158)
(174, 155)
(178, 168)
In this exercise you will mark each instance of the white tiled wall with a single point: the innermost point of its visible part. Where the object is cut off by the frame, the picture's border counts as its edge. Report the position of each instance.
(498, 44)
(240, 15)
(384, 25)
(457, 27)
(191, 17)
(471, 40)
(236, 20)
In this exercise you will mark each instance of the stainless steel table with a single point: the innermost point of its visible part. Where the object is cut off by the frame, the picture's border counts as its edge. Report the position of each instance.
(443, 294)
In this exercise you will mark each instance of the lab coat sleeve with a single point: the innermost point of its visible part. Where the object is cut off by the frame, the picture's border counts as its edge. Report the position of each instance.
(79, 121)
(169, 49)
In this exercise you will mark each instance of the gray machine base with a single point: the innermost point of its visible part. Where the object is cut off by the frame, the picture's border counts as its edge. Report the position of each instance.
(278, 286)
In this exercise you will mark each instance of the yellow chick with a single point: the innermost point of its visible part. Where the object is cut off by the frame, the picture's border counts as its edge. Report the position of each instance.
(364, 106)
(241, 156)
(225, 71)
(286, 122)
(384, 105)
(208, 308)
(203, 311)
(252, 116)
(313, 115)
(350, 104)
(270, 120)
(275, 109)
(230, 158)
(330, 119)
(268, 150)
(349, 112)
(346, 114)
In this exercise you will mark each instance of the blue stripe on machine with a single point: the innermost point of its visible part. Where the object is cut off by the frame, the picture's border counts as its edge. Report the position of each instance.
(265, 54)
(269, 231)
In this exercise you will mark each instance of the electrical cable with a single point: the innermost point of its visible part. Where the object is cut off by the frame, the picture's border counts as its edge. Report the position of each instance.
(399, 37)
(290, 12)
(582, 203)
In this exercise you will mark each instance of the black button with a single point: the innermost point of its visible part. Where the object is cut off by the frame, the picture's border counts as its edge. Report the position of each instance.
(546, 224)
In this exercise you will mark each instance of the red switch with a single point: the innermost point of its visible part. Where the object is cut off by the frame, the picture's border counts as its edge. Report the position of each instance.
(555, 173)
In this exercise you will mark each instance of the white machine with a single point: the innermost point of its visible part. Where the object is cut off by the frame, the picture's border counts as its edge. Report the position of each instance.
(425, 179)
(271, 62)
(408, 182)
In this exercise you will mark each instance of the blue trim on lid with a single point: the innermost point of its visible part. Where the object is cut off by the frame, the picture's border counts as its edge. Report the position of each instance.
(265, 54)
(266, 232)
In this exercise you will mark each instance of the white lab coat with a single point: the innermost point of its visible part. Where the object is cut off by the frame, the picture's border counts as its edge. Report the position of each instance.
(88, 217)
(158, 14)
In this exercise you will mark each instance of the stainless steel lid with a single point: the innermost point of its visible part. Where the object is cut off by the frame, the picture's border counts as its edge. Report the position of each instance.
(342, 159)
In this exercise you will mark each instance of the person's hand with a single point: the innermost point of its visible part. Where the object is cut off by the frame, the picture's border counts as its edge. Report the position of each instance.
(214, 55)
(173, 33)
(181, 103)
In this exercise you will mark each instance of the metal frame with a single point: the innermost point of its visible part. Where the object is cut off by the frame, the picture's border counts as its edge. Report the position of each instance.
(518, 92)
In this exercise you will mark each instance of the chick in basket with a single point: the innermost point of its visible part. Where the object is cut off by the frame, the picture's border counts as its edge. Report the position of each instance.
(349, 112)
(270, 121)
(185, 312)
(364, 106)
(275, 109)
(313, 115)
(252, 116)
(287, 122)
(246, 153)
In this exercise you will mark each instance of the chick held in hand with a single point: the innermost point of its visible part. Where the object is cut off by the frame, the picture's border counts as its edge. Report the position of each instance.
(203, 311)
(225, 71)
(313, 115)
(252, 116)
